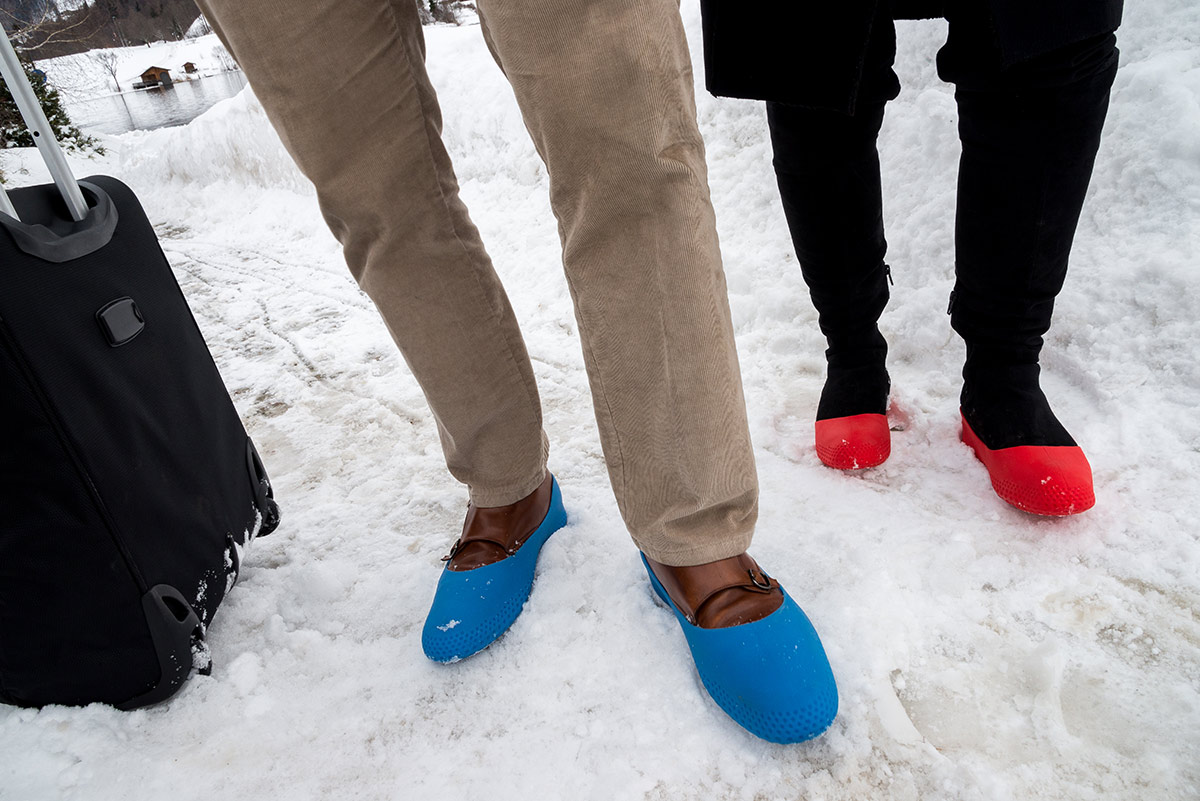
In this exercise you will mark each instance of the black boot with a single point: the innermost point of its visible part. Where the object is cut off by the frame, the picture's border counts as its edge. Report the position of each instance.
(1030, 135)
(828, 172)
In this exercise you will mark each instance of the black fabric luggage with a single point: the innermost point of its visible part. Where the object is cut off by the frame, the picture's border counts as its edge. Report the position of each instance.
(128, 486)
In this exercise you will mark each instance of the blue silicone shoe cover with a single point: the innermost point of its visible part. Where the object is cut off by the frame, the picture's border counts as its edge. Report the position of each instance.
(473, 607)
(771, 676)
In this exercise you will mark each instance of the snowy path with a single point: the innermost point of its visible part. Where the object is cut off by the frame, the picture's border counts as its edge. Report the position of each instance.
(980, 653)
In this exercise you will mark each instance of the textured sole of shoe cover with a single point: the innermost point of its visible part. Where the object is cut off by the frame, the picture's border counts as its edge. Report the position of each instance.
(855, 442)
(1050, 480)
(770, 676)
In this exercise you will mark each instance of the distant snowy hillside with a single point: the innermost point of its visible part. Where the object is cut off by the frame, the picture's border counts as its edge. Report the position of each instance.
(81, 76)
(61, 27)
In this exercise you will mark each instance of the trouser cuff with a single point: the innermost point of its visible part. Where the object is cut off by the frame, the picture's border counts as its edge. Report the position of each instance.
(701, 554)
(507, 494)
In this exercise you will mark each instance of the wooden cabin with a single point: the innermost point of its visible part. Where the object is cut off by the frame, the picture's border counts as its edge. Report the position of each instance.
(155, 76)
(190, 68)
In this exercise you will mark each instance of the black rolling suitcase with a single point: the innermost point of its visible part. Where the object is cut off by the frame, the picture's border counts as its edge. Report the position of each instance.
(128, 486)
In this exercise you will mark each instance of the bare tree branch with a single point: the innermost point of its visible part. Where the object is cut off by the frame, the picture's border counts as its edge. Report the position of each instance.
(108, 60)
(50, 29)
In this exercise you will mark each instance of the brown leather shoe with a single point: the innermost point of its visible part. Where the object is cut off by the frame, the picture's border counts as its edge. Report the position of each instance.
(491, 533)
(720, 594)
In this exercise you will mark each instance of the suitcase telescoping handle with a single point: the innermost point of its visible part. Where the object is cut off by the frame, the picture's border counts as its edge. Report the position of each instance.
(43, 134)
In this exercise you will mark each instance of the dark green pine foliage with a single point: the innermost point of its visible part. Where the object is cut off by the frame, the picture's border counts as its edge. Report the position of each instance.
(13, 132)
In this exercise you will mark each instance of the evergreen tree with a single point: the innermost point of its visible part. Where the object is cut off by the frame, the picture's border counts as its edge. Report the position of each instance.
(13, 132)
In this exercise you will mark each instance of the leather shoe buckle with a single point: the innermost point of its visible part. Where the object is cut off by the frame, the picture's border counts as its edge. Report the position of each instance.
(453, 550)
(764, 585)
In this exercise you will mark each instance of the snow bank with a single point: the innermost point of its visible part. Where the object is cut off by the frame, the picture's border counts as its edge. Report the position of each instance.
(231, 143)
(980, 653)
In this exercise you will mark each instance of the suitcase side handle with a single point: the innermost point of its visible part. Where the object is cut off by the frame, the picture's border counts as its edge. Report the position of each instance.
(43, 134)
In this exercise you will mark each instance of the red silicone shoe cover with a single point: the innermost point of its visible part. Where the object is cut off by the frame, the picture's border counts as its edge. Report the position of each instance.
(855, 442)
(1039, 479)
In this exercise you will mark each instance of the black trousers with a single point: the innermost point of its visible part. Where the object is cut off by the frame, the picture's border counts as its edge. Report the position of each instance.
(1029, 135)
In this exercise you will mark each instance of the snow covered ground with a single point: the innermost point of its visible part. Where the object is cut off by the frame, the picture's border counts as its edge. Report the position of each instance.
(980, 653)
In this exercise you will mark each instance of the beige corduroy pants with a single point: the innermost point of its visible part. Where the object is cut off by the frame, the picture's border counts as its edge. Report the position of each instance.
(605, 87)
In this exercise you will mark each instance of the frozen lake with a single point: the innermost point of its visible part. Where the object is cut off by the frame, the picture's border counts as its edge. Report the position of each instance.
(148, 109)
